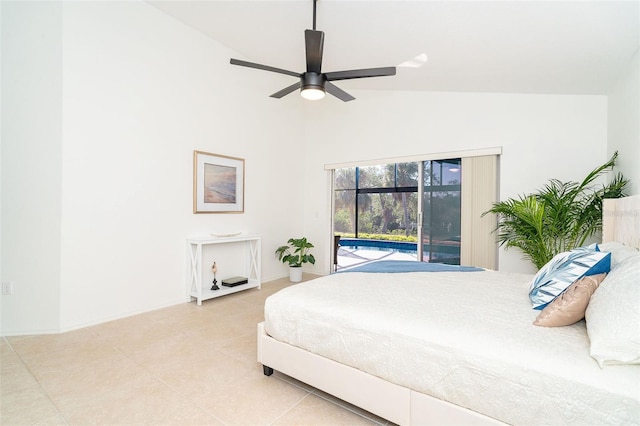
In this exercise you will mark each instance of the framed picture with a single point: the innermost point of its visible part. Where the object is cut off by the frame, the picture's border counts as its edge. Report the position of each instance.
(218, 183)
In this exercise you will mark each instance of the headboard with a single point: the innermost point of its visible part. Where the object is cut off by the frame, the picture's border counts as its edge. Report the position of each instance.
(621, 220)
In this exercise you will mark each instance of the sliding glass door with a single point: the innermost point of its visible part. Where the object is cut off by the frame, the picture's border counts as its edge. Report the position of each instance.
(441, 213)
(398, 211)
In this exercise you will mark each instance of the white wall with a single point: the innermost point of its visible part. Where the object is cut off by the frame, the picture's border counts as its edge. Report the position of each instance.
(624, 123)
(542, 137)
(137, 92)
(31, 168)
(116, 96)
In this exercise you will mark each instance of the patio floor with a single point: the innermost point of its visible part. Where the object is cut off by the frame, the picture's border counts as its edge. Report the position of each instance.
(349, 257)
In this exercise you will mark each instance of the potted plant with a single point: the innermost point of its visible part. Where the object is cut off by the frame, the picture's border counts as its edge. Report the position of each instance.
(295, 254)
(559, 217)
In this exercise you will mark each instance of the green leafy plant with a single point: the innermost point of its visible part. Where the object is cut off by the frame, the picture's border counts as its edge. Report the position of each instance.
(383, 237)
(559, 217)
(296, 252)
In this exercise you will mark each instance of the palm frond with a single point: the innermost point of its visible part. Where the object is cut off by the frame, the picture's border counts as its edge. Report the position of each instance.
(559, 217)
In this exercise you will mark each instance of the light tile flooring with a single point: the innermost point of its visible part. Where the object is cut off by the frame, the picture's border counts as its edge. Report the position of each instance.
(182, 365)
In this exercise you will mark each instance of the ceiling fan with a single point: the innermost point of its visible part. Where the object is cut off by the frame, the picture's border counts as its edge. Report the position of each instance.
(313, 83)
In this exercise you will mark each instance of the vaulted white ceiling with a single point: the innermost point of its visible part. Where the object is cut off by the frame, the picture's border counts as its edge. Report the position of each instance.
(514, 46)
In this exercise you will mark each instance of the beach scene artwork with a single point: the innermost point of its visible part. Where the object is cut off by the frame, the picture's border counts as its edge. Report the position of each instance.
(219, 184)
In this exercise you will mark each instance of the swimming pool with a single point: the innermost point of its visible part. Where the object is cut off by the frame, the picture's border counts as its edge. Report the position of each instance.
(442, 253)
(382, 245)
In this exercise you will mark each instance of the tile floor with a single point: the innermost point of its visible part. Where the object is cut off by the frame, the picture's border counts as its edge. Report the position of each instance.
(182, 365)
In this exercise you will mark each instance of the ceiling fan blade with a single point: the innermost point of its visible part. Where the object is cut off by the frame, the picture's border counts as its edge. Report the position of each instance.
(337, 92)
(314, 42)
(286, 90)
(363, 73)
(263, 67)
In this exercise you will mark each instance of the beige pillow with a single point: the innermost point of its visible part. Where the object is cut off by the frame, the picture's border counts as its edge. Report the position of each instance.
(570, 306)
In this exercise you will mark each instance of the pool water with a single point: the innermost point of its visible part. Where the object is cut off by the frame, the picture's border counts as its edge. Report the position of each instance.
(354, 252)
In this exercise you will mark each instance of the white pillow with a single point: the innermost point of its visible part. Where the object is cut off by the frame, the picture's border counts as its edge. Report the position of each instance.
(613, 315)
(619, 251)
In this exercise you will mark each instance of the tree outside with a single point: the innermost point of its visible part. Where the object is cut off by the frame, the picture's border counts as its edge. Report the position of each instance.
(386, 199)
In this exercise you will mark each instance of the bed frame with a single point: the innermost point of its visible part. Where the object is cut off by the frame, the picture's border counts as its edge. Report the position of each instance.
(398, 404)
(395, 403)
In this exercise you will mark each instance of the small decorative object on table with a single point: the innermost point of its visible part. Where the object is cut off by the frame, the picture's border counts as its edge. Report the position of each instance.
(234, 281)
(214, 269)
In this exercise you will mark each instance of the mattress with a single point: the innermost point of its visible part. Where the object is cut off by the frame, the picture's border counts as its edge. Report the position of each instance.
(464, 337)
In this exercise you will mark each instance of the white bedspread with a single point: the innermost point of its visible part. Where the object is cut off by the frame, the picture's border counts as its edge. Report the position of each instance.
(464, 337)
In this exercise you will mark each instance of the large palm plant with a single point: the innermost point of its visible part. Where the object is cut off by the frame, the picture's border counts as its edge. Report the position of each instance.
(559, 217)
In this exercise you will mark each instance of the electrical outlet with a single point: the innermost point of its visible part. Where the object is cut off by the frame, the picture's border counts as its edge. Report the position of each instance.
(7, 289)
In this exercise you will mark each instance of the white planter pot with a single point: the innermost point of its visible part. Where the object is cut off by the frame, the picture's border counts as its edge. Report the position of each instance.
(295, 274)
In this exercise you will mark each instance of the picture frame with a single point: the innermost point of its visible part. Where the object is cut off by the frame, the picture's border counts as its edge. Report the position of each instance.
(218, 183)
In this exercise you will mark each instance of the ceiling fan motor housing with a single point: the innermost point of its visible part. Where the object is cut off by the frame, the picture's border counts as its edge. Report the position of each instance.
(312, 80)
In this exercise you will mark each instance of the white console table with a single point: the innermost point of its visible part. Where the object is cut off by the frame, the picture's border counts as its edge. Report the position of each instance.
(199, 289)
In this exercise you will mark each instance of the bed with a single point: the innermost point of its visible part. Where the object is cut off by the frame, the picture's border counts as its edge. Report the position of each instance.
(460, 347)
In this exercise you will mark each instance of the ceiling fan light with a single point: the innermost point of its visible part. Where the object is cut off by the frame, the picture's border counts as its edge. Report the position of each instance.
(312, 93)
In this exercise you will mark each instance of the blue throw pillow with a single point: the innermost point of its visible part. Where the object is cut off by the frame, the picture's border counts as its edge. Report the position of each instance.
(563, 270)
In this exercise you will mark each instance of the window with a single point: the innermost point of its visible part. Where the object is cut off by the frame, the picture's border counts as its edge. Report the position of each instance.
(393, 206)
(376, 200)
(377, 212)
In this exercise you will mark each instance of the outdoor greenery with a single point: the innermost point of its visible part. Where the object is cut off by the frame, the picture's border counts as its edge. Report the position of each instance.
(557, 218)
(383, 237)
(296, 252)
(388, 202)
(380, 212)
